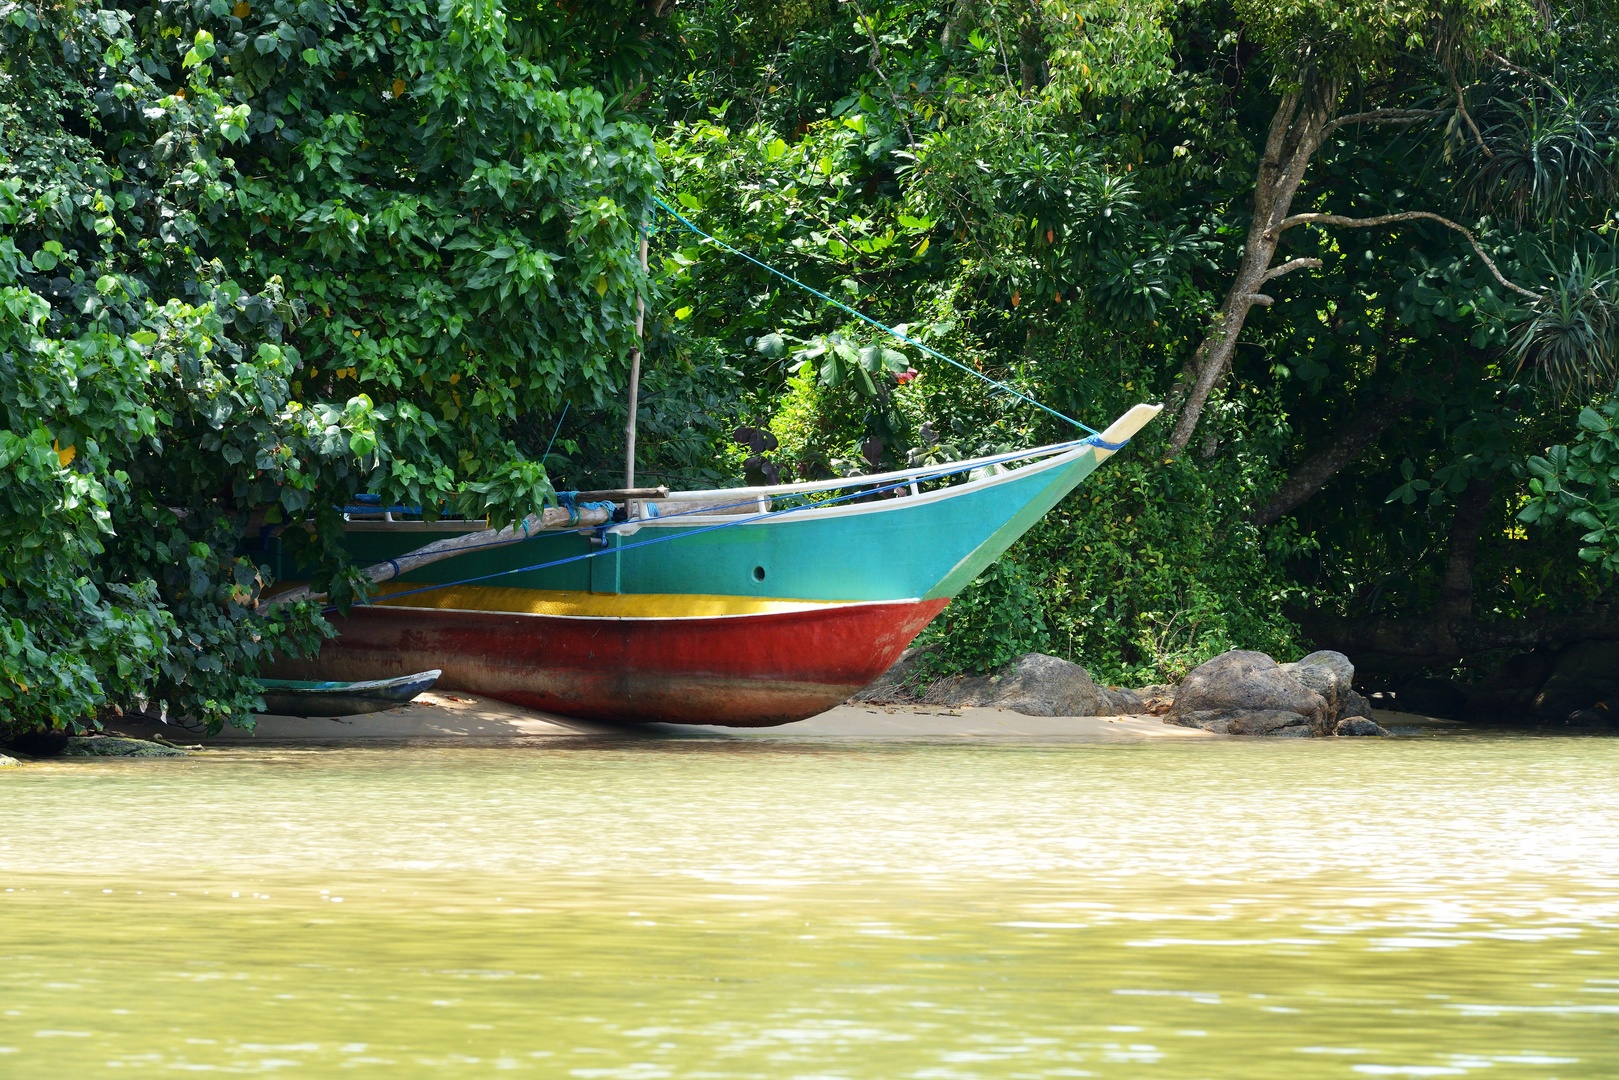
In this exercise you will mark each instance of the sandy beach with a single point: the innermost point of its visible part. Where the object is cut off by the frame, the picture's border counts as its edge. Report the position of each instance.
(461, 717)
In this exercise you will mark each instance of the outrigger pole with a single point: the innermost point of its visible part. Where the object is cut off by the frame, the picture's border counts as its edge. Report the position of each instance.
(635, 375)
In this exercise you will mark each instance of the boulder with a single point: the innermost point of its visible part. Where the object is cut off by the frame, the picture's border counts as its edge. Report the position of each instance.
(1358, 725)
(1329, 674)
(1157, 699)
(1355, 705)
(1119, 701)
(1294, 731)
(8, 762)
(1270, 722)
(1243, 684)
(116, 746)
(1586, 675)
(1034, 684)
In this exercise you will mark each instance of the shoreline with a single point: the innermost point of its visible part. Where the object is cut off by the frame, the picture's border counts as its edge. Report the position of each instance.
(455, 717)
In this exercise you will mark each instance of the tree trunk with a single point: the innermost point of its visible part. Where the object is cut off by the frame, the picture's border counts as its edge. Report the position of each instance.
(1031, 41)
(1456, 594)
(1354, 435)
(1295, 134)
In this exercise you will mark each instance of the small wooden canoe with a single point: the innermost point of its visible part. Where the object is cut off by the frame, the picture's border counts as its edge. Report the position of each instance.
(301, 697)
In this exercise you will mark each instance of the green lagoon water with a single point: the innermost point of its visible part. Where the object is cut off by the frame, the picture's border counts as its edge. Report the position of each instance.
(770, 906)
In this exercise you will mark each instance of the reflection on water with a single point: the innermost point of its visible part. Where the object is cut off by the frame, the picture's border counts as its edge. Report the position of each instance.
(794, 908)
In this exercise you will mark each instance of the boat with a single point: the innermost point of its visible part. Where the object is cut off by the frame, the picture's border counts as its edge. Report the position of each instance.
(310, 697)
(746, 607)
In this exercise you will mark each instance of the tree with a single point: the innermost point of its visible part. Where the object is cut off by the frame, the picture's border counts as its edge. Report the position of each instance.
(260, 257)
(1323, 55)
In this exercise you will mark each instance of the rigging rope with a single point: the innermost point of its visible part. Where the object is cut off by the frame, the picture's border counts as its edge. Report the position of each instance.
(859, 315)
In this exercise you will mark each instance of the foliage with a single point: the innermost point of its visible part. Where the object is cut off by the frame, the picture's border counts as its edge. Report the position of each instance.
(1580, 482)
(257, 258)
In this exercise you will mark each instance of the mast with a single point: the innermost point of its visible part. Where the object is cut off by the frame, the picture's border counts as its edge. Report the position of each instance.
(635, 376)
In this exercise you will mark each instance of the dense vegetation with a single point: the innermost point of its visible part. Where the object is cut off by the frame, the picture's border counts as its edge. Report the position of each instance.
(258, 257)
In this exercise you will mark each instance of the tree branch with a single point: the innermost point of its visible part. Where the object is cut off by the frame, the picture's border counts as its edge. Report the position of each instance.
(1491, 54)
(1290, 266)
(1409, 215)
(1461, 108)
(1379, 116)
(1345, 444)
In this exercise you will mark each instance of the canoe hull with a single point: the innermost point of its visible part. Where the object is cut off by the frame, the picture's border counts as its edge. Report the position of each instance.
(345, 699)
(754, 670)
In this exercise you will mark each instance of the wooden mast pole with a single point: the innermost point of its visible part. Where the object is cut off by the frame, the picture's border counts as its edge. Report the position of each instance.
(635, 376)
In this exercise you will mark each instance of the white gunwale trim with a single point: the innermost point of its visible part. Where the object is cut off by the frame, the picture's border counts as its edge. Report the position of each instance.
(1121, 430)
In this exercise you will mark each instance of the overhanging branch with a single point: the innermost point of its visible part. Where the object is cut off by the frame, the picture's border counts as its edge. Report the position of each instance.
(1409, 215)
(1290, 266)
(1379, 116)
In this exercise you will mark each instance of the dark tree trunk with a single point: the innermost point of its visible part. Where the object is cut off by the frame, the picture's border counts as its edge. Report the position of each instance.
(1352, 436)
(1031, 41)
(1456, 594)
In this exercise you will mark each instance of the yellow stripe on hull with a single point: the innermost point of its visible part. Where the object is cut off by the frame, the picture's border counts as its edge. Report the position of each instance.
(586, 604)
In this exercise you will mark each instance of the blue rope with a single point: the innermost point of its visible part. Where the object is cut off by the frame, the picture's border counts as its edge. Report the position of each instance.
(886, 329)
(743, 520)
(556, 432)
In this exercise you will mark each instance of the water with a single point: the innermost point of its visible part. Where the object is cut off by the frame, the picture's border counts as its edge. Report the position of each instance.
(778, 907)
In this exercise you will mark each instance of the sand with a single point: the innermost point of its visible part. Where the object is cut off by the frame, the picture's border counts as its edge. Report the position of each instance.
(453, 716)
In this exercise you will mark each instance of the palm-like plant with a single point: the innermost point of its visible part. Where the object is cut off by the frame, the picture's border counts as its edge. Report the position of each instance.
(1547, 154)
(1572, 334)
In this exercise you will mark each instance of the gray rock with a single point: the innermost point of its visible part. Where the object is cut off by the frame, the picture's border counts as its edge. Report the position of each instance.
(1201, 718)
(1355, 705)
(1269, 722)
(1293, 731)
(1156, 700)
(8, 762)
(1358, 725)
(1118, 701)
(1329, 674)
(1035, 684)
(116, 746)
(1245, 683)
(1587, 673)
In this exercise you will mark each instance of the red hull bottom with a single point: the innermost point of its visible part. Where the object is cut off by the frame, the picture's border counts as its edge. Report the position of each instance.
(735, 670)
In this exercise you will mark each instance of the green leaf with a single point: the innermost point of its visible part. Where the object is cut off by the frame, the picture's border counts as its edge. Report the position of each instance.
(771, 346)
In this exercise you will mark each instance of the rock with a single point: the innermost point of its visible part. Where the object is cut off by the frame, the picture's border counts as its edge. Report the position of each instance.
(1244, 684)
(1034, 684)
(1329, 674)
(1207, 719)
(8, 762)
(1589, 717)
(1294, 731)
(904, 682)
(1355, 705)
(1432, 697)
(1586, 675)
(1156, 700)
(1358, 725)
(1118, 701)
(116, 746)
(1268, 722)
